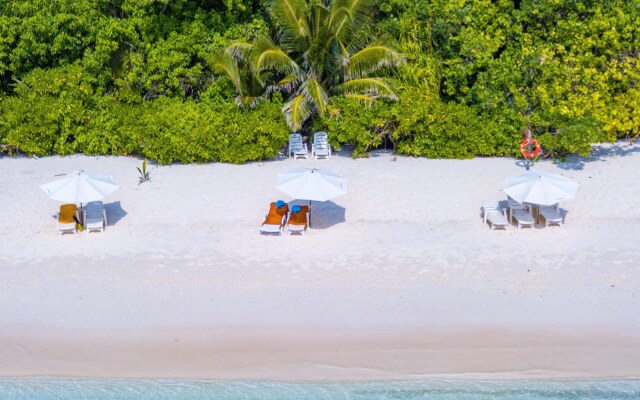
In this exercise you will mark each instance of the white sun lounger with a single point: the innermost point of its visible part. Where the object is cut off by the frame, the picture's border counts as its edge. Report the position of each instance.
(551, 215)
(320, 146)
(266, 229)
(488, 205)
(496, 219)
(298, 224)
(523, 218)
(297, 149)
(274, 220)
(514, 205)
(275, 229)
(65, 221)
(94, 217)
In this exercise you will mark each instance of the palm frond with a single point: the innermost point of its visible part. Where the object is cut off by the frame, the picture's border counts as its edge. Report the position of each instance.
(240, 50)
(349, 17)
(339, 16)
(296, 111)
(285, 84)
(371, 59)
(319, 16)
(291, 18)
(366, 99)
(267, 56)
(374, 87)
(315, 93)
(248, 101)
(223, 62)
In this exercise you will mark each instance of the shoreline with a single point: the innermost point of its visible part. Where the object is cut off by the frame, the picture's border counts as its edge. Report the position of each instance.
(398, 280)
(295, 357)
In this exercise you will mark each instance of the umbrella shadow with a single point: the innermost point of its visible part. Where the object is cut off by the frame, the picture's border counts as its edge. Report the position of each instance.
(114, 212)
(324, 214)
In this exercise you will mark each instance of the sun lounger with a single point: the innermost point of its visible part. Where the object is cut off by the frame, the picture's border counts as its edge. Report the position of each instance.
(67, 218)
(320, 146)
(488, 205)
(551, 215)
(275, 219)
(299, 222)
(496, 219)
(94, 217)
(297, 149)
(523, 218)
(512, 206)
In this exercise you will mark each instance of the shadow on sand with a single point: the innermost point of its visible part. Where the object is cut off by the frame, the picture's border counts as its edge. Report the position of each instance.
(114, 212)
(599, 153)
(324, 214)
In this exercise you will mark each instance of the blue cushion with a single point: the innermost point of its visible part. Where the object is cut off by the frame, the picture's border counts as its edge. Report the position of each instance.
(280, 204)
(295, 209)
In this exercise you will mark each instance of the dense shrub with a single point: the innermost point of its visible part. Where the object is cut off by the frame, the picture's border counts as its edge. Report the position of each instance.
(133, 77)
(422, 126)
(56, 112)
(187, 131)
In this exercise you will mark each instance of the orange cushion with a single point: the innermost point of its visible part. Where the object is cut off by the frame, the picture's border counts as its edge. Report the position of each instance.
(282, 210)
(299, 218)
(273, 219)
(67, 212)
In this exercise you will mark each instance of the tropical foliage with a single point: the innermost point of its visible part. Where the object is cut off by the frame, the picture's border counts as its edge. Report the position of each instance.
(318, 50)
(456, 78)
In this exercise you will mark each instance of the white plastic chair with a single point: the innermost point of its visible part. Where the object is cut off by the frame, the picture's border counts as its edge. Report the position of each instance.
(268, 228)
(488, 205)
(94, 217)
(496, 219)
(297, 148)
(523, 218)
(551, 215)
(67, 211)
(272, 228)
(295, 225)
(320, 146)
(514, 205)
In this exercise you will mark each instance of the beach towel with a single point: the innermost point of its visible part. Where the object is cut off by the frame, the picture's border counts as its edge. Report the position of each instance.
(273, 209)
(274, 217)
(299, 218)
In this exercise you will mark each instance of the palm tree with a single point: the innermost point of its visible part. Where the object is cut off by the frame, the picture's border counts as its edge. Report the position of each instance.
(320, 49)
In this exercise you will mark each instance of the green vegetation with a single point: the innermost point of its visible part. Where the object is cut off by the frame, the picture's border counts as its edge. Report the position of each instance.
(455, 78)
(322, 50)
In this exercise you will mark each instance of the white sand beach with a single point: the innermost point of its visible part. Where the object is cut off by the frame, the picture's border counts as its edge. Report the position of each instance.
(398, 279)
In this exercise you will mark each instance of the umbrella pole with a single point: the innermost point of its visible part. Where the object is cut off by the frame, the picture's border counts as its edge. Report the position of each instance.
(309, 214)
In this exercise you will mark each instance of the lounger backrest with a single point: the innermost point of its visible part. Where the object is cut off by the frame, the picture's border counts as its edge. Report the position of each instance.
(67, 212)
(320, 139)
(295, 142)
(299, 218)
(94, 205)
(280, 211)
(276, 215)
(273, 219)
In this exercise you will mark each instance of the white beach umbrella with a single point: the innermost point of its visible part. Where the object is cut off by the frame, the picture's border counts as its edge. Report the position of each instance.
(80, 187)
(540, 188)
(311, 184)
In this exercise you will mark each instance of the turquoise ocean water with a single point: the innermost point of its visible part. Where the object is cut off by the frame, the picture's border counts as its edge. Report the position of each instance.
(54, 388)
